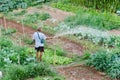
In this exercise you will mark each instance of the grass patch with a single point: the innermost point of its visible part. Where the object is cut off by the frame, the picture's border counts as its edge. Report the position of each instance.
(87, 45)
(89, 17)
(49, 30)
(33, 20)
(63, 5)
(20, 72)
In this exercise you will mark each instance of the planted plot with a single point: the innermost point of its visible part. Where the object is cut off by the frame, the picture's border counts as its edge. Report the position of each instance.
(9, 5)
(18, 62)
(22, 72)
(87, 16)
(98, 37)
(103, 5)
(22, 58)
(33, 20)
(54, 58)
(106, 61)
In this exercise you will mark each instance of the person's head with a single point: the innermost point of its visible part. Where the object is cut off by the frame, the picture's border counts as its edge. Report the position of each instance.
(39, 29)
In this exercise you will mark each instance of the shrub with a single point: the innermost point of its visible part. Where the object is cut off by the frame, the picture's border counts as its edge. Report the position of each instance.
(44, 16)
(114, 70)
(100, 60)
(14, 72)
(21, 72)
(39, 69)
(4, 42)
(106, 61)
(85, 56)
(8, 31)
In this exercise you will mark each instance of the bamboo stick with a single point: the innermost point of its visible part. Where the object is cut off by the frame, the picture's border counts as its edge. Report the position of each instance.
(54, 57)
(4, 23)
(23, 29)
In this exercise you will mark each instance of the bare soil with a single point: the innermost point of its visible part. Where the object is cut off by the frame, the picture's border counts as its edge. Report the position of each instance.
(115, 32)
(81, 72)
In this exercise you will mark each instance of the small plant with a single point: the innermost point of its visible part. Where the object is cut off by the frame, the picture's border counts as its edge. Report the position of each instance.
(57, 77)
(27, 40)
(86, 56)
(8, 31)
(55, 58)
(4, 42)
(20, 13)
(44, 16)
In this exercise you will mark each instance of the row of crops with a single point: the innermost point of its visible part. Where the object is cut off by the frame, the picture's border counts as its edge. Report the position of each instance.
(18, 62)
(104, 5)
(8, 5)
(112, 6)
(103, 38)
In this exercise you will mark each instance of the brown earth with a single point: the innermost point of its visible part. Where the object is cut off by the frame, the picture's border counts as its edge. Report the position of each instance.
(115, 32)
(81, 72)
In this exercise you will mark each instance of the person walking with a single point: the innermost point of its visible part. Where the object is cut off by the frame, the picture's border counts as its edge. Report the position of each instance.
(39, 39)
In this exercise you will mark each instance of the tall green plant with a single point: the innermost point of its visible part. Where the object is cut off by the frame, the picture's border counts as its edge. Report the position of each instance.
(106, 5)
(8, 5)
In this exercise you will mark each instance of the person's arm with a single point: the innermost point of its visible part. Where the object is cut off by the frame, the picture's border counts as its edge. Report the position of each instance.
(49, 38)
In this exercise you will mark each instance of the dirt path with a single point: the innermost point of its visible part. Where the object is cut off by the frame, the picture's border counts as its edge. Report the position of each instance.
(19, 27)
(115, 32)
(81, 72)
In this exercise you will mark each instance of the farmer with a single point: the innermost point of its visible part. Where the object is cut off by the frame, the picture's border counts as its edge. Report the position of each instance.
(38, 39)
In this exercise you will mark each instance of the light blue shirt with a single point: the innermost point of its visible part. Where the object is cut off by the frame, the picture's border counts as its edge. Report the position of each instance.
(37, 40)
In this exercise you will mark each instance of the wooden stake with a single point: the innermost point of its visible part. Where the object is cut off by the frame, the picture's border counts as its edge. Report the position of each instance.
(23, 28)
(4, 23)
(0, 32)
(20, 42)
(54, 57)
